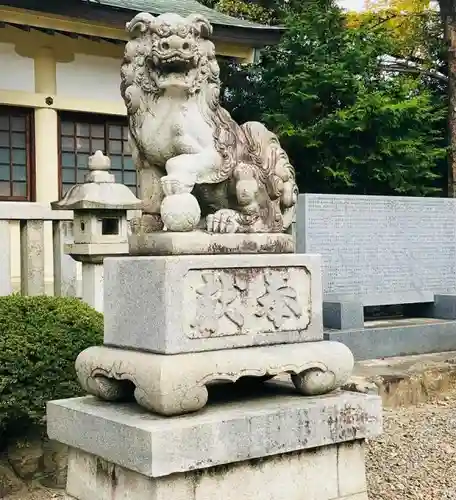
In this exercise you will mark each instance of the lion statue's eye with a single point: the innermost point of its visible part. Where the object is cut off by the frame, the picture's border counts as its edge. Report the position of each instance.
(164, 29)
(182, 30)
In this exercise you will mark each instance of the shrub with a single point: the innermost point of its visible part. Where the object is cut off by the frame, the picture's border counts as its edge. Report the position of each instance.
(40, 338)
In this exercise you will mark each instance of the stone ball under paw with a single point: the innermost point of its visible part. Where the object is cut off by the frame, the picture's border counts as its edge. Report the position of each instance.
(180, 212)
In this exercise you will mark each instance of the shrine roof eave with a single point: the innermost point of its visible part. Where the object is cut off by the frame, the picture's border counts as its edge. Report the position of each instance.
(116, 13)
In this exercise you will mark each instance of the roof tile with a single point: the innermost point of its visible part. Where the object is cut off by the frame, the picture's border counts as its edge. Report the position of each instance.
(182, 7)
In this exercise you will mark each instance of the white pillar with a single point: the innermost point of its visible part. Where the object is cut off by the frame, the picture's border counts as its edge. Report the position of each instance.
(5, 261)
(47, 186)
(32, 257)
(46, 129)
(92, 285)
(65, 271)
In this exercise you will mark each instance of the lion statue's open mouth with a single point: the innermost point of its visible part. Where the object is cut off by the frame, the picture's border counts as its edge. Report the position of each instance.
(176, 68)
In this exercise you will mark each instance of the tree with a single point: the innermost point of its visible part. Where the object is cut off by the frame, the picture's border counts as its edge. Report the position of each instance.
(416, 31)
(346, 125)
(423, 36)
(260, 11)
(448, 16)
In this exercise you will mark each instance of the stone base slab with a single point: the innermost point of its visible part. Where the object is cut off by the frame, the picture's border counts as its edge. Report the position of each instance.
(173, 305)
(237, 425)
(329, 473)
(174, 385)
(202, 242)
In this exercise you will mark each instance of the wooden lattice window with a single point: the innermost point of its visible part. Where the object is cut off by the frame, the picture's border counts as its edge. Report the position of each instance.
(16, 154)
(83, 134)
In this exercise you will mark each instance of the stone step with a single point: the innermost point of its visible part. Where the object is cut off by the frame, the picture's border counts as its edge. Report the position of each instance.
(406, 380)
(385, 338)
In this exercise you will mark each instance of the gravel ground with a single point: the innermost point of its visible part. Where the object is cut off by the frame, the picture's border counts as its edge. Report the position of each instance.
(415, 458)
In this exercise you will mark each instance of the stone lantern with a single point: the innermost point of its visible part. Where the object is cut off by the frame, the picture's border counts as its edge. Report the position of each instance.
(100, 226)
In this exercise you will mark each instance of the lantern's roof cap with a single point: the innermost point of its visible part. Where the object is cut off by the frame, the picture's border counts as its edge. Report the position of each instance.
(99, 190)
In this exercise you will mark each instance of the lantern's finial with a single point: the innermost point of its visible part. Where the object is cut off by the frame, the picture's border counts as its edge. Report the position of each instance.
(99, 161)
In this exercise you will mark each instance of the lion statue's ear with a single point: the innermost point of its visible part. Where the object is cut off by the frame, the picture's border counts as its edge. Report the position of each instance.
(202, 24)
(140, 23)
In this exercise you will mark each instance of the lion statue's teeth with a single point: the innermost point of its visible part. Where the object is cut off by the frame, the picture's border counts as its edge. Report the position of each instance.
(241, 177)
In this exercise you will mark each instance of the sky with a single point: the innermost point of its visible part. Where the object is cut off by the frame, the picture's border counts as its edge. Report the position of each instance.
(352, 4)
(359, 4)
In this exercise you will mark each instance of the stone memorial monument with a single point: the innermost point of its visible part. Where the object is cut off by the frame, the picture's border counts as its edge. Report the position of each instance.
(384, 251)
(211, 292)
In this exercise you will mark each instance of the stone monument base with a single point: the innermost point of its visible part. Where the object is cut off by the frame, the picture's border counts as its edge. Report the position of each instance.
(177, 384)
(312, 473)
(204, 243)
(274, 445)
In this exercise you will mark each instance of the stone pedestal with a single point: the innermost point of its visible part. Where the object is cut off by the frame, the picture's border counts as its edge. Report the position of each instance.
(198, 338)
(174, 324)
(183, 304)
(269, 443)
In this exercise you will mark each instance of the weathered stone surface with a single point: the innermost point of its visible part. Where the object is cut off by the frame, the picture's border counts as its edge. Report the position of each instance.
(274, 420)
(281, 477)
(205, 243)
(361, 385)
(368, 251)
(25, 456)
(32, 265)
(5, 262)
(34, 458)
(351, 468)
(444, 307)
(174, 385)
(10, 483)
(55, 462)
(184, 304)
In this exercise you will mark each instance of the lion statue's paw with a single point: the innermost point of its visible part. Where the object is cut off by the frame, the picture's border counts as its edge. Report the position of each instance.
(223, 221)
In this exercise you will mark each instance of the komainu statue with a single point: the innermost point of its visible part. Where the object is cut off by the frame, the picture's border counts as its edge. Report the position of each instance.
(197, 168)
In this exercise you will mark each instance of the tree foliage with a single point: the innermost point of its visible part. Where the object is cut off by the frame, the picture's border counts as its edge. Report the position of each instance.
(414, 26)
(405, 20)
(260, 11)
(347, 126)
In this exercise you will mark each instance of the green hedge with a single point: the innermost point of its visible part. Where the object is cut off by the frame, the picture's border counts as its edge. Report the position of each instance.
(40, 338)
